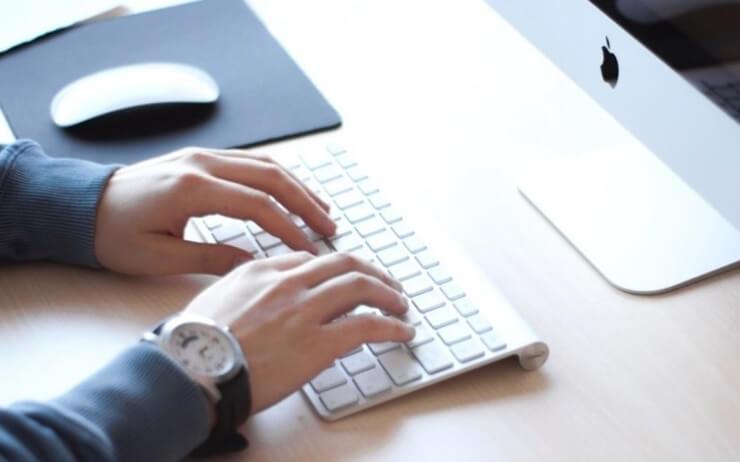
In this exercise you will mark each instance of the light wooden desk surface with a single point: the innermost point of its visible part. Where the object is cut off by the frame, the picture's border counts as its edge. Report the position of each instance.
(457, 100)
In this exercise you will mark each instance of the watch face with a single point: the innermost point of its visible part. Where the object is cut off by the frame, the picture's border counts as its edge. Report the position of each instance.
(202, 349)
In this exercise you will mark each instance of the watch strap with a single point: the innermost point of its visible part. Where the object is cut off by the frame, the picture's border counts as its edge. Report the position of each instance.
(231, 412)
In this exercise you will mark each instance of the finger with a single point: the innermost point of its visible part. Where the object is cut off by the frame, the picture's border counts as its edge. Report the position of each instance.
(344, 293)
(287, 261)
(275, 181)
(330, 266)
(169, 255)
(223, 197)
(264, 158)
(348, 333)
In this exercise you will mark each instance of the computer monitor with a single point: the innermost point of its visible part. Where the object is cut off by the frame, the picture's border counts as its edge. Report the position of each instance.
(663, 211)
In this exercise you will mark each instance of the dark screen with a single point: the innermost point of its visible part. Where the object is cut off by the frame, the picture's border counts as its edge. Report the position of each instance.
(698, 38)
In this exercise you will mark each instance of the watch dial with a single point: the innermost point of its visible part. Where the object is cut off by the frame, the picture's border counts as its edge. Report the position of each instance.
(202, 349)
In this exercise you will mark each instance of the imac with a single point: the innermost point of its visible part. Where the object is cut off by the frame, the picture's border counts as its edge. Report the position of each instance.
(663, 211)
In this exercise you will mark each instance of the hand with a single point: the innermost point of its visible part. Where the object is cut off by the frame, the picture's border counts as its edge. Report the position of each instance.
(286, 313)
(145, 207)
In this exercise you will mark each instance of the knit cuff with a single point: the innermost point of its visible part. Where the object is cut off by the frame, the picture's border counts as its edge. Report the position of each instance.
(48, 206)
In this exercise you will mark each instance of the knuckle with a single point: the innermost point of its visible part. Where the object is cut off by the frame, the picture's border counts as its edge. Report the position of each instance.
(273, 172)
(189, 179)
(347, 261)
(359, 281)
(262, 200)
(197, 156)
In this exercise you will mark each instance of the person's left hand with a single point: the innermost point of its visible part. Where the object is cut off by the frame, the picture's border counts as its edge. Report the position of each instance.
(145, 207)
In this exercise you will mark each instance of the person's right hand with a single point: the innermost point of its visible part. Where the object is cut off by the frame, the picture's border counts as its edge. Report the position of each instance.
(287, 313)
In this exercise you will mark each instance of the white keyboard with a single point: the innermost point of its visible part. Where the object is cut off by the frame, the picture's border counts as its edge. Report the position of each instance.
(454, 334)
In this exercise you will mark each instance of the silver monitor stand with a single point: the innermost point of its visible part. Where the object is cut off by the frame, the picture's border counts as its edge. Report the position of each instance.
(637, 222)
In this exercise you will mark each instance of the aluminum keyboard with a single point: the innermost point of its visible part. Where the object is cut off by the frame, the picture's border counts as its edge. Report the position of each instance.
(452, 334)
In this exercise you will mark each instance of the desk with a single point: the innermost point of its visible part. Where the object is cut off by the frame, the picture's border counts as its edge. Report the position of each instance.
(629, 378)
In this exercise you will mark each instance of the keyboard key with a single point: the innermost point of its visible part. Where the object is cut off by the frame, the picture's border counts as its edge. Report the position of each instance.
(229, 229)
(350, 353)
(317, 159)
(454, 333)
(245, 243)
(411, 317)
(343, 228)
(422, 336)
(492, 342)
(465, 307)
(382, 347)
(373, 382)
(339, 398)
(327, 173)
(347, 160)
(301, 172)
(367, 187)
(359, 213)
(371, 226)
(213, 221)
(281, 249)
(379, 202)
(364, 253)
(433, 357)
(392, 255)
(479, 324)
(414, 244)
(358, 362)
(323, 249)
(347, 243)
(268, 241)
(400, 366)
(428, 301)
(390, 216)
(404, 270)
(338, 186)
(417, 285)
(289, 161)
(254, 228)
(335, 149)
(452, 291)
(356, 174)
(298, 221)
(402, 230)
(467, 350)
(328, 379)
(439, 275)
(441, 317)
(426, 260)
(381, 241)
(348, 199)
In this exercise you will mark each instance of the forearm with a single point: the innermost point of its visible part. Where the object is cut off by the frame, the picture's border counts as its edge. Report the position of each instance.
(48, 205)
(140, 407)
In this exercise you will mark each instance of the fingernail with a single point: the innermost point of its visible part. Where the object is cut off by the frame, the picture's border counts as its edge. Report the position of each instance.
(313, 249)
(405, 302)
(410, 330)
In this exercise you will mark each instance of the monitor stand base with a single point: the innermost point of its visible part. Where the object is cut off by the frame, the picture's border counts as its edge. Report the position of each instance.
(632, 218)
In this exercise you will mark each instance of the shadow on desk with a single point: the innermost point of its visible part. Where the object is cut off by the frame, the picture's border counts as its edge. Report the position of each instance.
(292, 431)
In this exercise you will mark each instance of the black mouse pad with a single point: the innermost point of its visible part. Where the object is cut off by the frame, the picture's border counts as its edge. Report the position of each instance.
(264, 95)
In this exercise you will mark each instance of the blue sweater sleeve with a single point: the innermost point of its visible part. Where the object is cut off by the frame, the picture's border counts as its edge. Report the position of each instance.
(48, 205)
(140, 407)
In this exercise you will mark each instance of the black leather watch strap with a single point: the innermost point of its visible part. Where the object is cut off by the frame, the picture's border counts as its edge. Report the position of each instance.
(231, 412)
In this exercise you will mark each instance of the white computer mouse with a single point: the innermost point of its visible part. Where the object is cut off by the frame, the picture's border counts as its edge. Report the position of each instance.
(132, 86)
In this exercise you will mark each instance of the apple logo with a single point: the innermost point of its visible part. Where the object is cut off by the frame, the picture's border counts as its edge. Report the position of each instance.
(609, 65)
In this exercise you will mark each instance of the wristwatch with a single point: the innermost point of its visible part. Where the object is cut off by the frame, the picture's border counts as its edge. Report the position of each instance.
(211, 356)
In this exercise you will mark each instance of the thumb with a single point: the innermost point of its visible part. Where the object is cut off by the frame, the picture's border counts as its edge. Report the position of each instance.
(176, 256)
